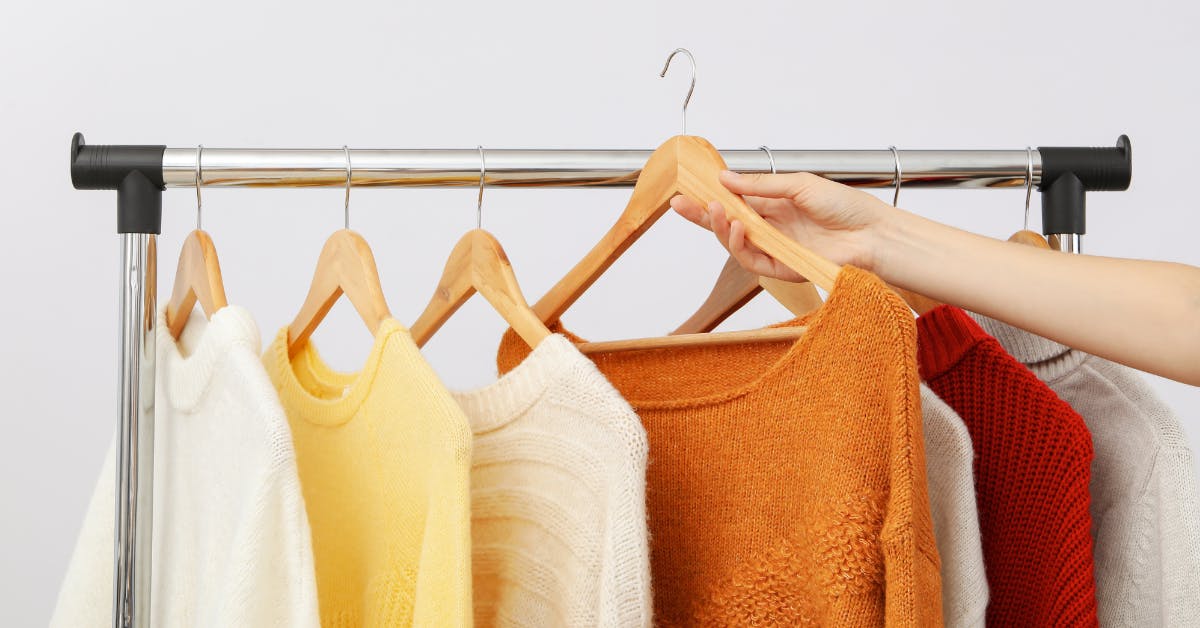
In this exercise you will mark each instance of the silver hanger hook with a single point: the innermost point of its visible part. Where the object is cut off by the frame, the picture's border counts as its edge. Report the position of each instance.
(199, 172)
(1028, 182)
(770, 157)
(479, 199)
(349, 176)
(687, 99)
(899, 176)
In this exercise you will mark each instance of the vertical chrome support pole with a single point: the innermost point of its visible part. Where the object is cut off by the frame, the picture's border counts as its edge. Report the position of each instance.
(135, 444)
(1066, 242)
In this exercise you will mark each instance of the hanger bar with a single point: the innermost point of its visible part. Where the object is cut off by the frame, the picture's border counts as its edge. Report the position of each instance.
(241, 167)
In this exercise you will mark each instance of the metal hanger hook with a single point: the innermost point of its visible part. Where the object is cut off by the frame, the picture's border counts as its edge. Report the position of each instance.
(349, 176)
(687, 99)
(770, 157)
(1028, 182)
(199, 172)
(899, 176)
(479, 199)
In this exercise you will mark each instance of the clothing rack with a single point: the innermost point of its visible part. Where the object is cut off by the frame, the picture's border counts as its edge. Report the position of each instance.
(140, 173)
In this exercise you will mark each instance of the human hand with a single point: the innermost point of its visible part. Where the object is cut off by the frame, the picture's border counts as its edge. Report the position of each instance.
(832, 220)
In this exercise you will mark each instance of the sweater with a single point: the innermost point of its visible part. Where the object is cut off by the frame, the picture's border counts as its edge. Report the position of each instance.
(384, 457)
(1145, 509)
(786, 483)
(1033, 457)
(558, 497)
(949, 458)
(231, 544)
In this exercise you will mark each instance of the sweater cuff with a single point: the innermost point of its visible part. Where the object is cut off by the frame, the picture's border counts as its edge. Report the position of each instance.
(944, 335)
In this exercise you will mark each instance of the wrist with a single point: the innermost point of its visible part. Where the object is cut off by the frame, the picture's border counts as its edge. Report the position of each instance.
(883, 240)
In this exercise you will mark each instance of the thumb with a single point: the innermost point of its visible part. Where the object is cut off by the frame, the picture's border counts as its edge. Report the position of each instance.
(766, 185)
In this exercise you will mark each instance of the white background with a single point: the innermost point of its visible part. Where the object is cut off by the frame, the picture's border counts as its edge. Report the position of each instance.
(549, 74)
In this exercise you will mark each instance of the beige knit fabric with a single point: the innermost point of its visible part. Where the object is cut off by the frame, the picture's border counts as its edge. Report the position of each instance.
(558, 497)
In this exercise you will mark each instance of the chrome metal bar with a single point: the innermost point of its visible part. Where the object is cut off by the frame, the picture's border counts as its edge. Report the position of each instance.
(247, 167)
(135, 443)
(1066, 242)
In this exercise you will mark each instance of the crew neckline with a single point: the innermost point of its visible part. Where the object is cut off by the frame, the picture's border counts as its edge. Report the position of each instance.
(849, 282)
(501, 402)
(1049, 360)
(188, 376)
(307, 383)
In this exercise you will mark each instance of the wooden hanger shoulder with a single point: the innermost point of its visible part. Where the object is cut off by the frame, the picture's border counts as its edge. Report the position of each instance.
(197, 280)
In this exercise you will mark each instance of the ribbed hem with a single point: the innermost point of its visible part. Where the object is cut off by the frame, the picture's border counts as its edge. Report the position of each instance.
(502, 401)
(944, 335)
(188, 365)
(318, 393)
(1047, 359)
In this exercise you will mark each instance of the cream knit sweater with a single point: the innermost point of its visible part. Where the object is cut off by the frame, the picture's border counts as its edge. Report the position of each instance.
(949, 468)
(558, 496)
(1145, 508)
(231, 539)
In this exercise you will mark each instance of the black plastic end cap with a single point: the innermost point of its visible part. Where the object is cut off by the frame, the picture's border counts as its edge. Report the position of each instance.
(104, 167)
(1098, 169)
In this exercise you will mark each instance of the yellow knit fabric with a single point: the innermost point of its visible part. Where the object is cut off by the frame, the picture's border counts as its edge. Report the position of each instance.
(384, 458)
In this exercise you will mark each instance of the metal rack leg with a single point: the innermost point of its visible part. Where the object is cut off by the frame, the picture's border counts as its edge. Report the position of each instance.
(135, 445)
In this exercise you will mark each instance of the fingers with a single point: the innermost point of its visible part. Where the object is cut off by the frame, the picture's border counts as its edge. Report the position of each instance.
(767, 185)
(732, 235)
(691, 210)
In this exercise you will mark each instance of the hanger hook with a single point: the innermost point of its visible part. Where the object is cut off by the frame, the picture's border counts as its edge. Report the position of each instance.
(1028, 182)
(479, 199)
(770, 157)
(687, 99)
(899, 176)
(349, 175)
(199, 172)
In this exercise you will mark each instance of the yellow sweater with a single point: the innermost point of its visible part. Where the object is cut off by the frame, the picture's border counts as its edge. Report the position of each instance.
(384, 458)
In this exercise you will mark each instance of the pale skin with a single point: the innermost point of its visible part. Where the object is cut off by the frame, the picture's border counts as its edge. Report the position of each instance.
(1143, 314)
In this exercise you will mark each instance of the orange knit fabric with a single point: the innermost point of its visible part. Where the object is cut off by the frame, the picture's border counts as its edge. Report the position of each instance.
(786, 484)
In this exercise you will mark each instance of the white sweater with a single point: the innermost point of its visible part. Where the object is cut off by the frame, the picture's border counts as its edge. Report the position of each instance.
(949, 468)
(1145, 509)
(231, 537)
(558, 497)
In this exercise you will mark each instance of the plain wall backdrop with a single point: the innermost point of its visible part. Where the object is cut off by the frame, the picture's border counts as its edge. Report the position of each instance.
(526, 74)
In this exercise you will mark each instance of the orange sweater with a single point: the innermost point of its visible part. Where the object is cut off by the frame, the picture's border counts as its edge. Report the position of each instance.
(786, 483)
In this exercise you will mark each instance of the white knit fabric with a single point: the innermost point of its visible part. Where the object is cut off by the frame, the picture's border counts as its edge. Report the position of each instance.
(558, 504)
(949, 468)
(1145, 505)
(231, 538)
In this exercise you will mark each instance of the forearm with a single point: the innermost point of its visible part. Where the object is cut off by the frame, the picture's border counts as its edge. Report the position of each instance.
(1139, 313)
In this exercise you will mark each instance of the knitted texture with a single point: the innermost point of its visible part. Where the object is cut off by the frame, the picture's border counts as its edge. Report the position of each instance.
(949, 460)
(384, 457)
(558, 497)
(1033, 460)
(1145, 509)
(231, 543)
(786, 483)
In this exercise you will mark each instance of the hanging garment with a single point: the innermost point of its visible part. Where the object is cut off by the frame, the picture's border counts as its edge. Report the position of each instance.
(1145, 509)
(1033, 460)
(384, 457)
(786, 483)
(949, 460)
(558, 497)
(231, 542)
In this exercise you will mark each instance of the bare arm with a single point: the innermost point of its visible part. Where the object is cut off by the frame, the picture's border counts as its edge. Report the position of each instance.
(1143, 314)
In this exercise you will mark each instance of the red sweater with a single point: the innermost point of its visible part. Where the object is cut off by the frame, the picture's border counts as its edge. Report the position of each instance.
(1033, 457)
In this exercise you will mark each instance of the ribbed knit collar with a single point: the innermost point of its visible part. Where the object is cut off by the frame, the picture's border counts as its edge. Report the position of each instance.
(499, 403)
(188, 365)
(945, 335)
(318, 393)
(1047, 359)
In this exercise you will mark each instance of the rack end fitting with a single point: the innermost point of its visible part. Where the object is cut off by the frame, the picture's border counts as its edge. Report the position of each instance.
(134, 171)
(1069, 173)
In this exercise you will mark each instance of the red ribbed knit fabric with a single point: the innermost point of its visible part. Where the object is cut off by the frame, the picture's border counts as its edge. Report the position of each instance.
(1033, 457)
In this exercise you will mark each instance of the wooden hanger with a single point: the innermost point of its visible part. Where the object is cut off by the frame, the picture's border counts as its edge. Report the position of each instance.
(1031, 238)
(687, 165)
(478, 264)
(736, 286)
(346, 266)
(197, 280)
